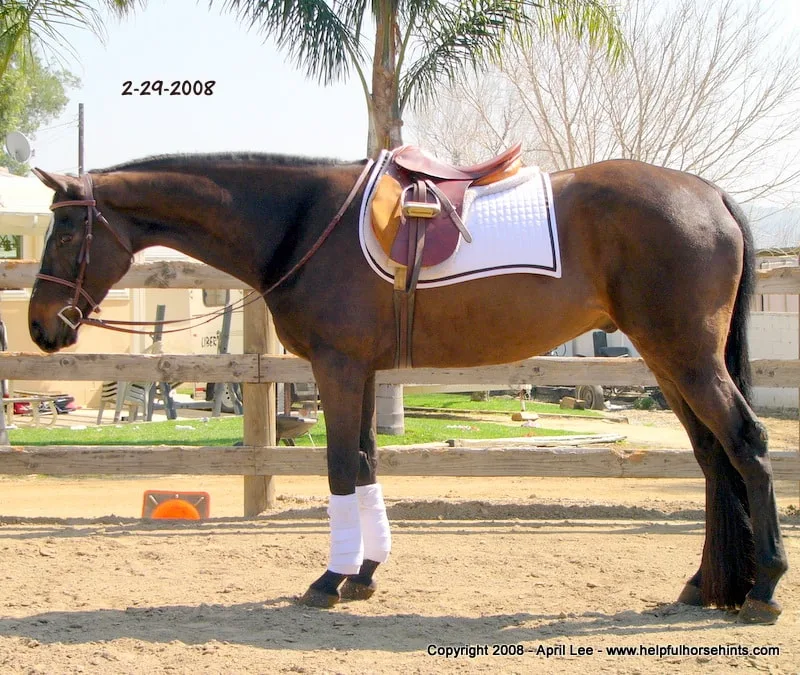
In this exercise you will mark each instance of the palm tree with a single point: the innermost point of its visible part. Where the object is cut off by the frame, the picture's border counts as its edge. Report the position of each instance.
(25, 24)
(417, 44)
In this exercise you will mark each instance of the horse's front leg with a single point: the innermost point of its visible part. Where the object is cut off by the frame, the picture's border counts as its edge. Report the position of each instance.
(372, 510)
(341, 384)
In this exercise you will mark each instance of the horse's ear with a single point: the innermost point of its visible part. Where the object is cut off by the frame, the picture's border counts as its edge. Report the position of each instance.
(55, 181)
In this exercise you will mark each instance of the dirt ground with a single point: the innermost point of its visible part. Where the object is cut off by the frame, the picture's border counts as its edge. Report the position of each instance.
(562, 570)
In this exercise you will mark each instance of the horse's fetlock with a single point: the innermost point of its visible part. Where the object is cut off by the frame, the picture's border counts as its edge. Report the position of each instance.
(777, 566)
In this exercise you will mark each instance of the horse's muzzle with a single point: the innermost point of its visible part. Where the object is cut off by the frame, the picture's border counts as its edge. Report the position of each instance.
(52, 340)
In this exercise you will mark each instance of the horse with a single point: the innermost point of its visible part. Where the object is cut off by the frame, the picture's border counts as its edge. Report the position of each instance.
(662, 255)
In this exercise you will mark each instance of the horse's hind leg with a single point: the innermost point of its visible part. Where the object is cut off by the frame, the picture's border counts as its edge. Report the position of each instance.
(372, 510)
(712, 395)
(720, 575)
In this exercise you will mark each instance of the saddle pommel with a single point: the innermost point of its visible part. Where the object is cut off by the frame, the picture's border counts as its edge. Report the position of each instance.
(417, 161)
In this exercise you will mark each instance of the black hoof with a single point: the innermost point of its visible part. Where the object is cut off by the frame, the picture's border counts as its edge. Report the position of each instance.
(758, 611)
(316, 598)
(355, 590)
(690, 595)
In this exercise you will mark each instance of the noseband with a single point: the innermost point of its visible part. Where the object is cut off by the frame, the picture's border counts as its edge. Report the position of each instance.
(83, 256)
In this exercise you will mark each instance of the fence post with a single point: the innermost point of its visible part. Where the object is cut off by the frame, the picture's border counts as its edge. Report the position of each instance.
(3, 388)
(259, 406)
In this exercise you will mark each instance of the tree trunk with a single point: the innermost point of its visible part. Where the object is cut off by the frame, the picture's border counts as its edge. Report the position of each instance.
(385, 124)
(385, 133)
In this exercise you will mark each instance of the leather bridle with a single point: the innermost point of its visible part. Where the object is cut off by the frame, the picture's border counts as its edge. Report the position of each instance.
(92, 213)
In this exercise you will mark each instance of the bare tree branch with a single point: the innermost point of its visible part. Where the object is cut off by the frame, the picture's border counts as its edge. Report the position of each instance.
(704, 86)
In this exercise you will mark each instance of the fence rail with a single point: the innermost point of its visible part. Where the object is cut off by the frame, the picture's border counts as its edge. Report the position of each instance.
(261, 461)
(265, 368)
(434, 459)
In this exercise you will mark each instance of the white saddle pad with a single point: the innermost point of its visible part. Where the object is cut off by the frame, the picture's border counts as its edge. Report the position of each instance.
(513, 229)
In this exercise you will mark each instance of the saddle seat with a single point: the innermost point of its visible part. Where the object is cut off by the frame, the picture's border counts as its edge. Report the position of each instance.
(417, 161)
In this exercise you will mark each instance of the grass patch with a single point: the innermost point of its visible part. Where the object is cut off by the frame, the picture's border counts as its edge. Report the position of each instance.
(216, 431)
(221, 431)
(494, 404)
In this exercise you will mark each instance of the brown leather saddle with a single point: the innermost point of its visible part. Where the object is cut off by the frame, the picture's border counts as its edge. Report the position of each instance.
(416, 214)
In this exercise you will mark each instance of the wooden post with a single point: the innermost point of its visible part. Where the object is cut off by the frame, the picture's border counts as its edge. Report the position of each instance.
(259, 406)
(3, 388)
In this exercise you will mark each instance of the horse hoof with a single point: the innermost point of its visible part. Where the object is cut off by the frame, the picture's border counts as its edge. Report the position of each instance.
(758, 611)
(354, 590)
(690, 595)
(316, 598)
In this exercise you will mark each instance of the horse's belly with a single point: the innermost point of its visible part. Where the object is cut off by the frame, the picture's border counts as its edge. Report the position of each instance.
(500, 320)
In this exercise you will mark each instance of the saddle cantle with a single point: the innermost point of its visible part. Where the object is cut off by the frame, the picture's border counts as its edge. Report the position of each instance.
(396, 202)
(416, 217)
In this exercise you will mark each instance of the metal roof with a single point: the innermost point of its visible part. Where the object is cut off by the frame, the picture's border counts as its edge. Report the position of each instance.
(24, 205)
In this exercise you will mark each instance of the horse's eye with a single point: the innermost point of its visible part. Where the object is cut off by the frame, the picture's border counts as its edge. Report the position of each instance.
(65, 239)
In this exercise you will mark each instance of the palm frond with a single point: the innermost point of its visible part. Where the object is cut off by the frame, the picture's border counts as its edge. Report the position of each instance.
(352, 13)
(473, 33)
(456, 37)
(314, 35)
(25, 24)
(595, 20)
(124, 7)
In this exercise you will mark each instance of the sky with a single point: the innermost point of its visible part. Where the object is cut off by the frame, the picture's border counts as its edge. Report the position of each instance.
(260, 102)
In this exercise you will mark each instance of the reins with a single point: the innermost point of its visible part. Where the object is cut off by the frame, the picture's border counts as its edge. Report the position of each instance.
(118, 325)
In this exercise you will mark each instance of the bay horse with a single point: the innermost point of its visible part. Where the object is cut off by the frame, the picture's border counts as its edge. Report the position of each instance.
(662, 255)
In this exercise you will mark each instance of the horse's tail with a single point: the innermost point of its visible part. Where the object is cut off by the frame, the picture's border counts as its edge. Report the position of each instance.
(728, 568)
(737, 354)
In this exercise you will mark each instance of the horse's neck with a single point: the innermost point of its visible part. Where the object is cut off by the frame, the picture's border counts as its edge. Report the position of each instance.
(197, 216)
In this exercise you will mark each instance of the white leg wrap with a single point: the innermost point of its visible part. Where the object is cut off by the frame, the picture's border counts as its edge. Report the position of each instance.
(374, 523)
(347, 550)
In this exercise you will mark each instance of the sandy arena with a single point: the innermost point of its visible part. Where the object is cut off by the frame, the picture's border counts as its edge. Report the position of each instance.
(565, 570)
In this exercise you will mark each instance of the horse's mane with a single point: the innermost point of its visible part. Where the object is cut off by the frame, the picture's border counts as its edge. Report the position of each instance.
(199, 161)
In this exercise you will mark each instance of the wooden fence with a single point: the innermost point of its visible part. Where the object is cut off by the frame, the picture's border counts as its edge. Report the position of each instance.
(260, 458)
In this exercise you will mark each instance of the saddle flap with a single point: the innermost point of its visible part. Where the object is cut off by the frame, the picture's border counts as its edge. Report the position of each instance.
(392, 231)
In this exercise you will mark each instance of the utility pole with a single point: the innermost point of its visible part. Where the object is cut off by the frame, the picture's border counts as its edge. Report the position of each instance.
(80, 139)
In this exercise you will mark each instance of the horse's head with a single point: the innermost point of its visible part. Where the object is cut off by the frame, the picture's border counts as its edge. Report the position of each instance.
(84, 255)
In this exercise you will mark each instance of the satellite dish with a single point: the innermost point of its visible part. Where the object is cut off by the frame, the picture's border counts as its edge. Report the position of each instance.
(18, 146)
